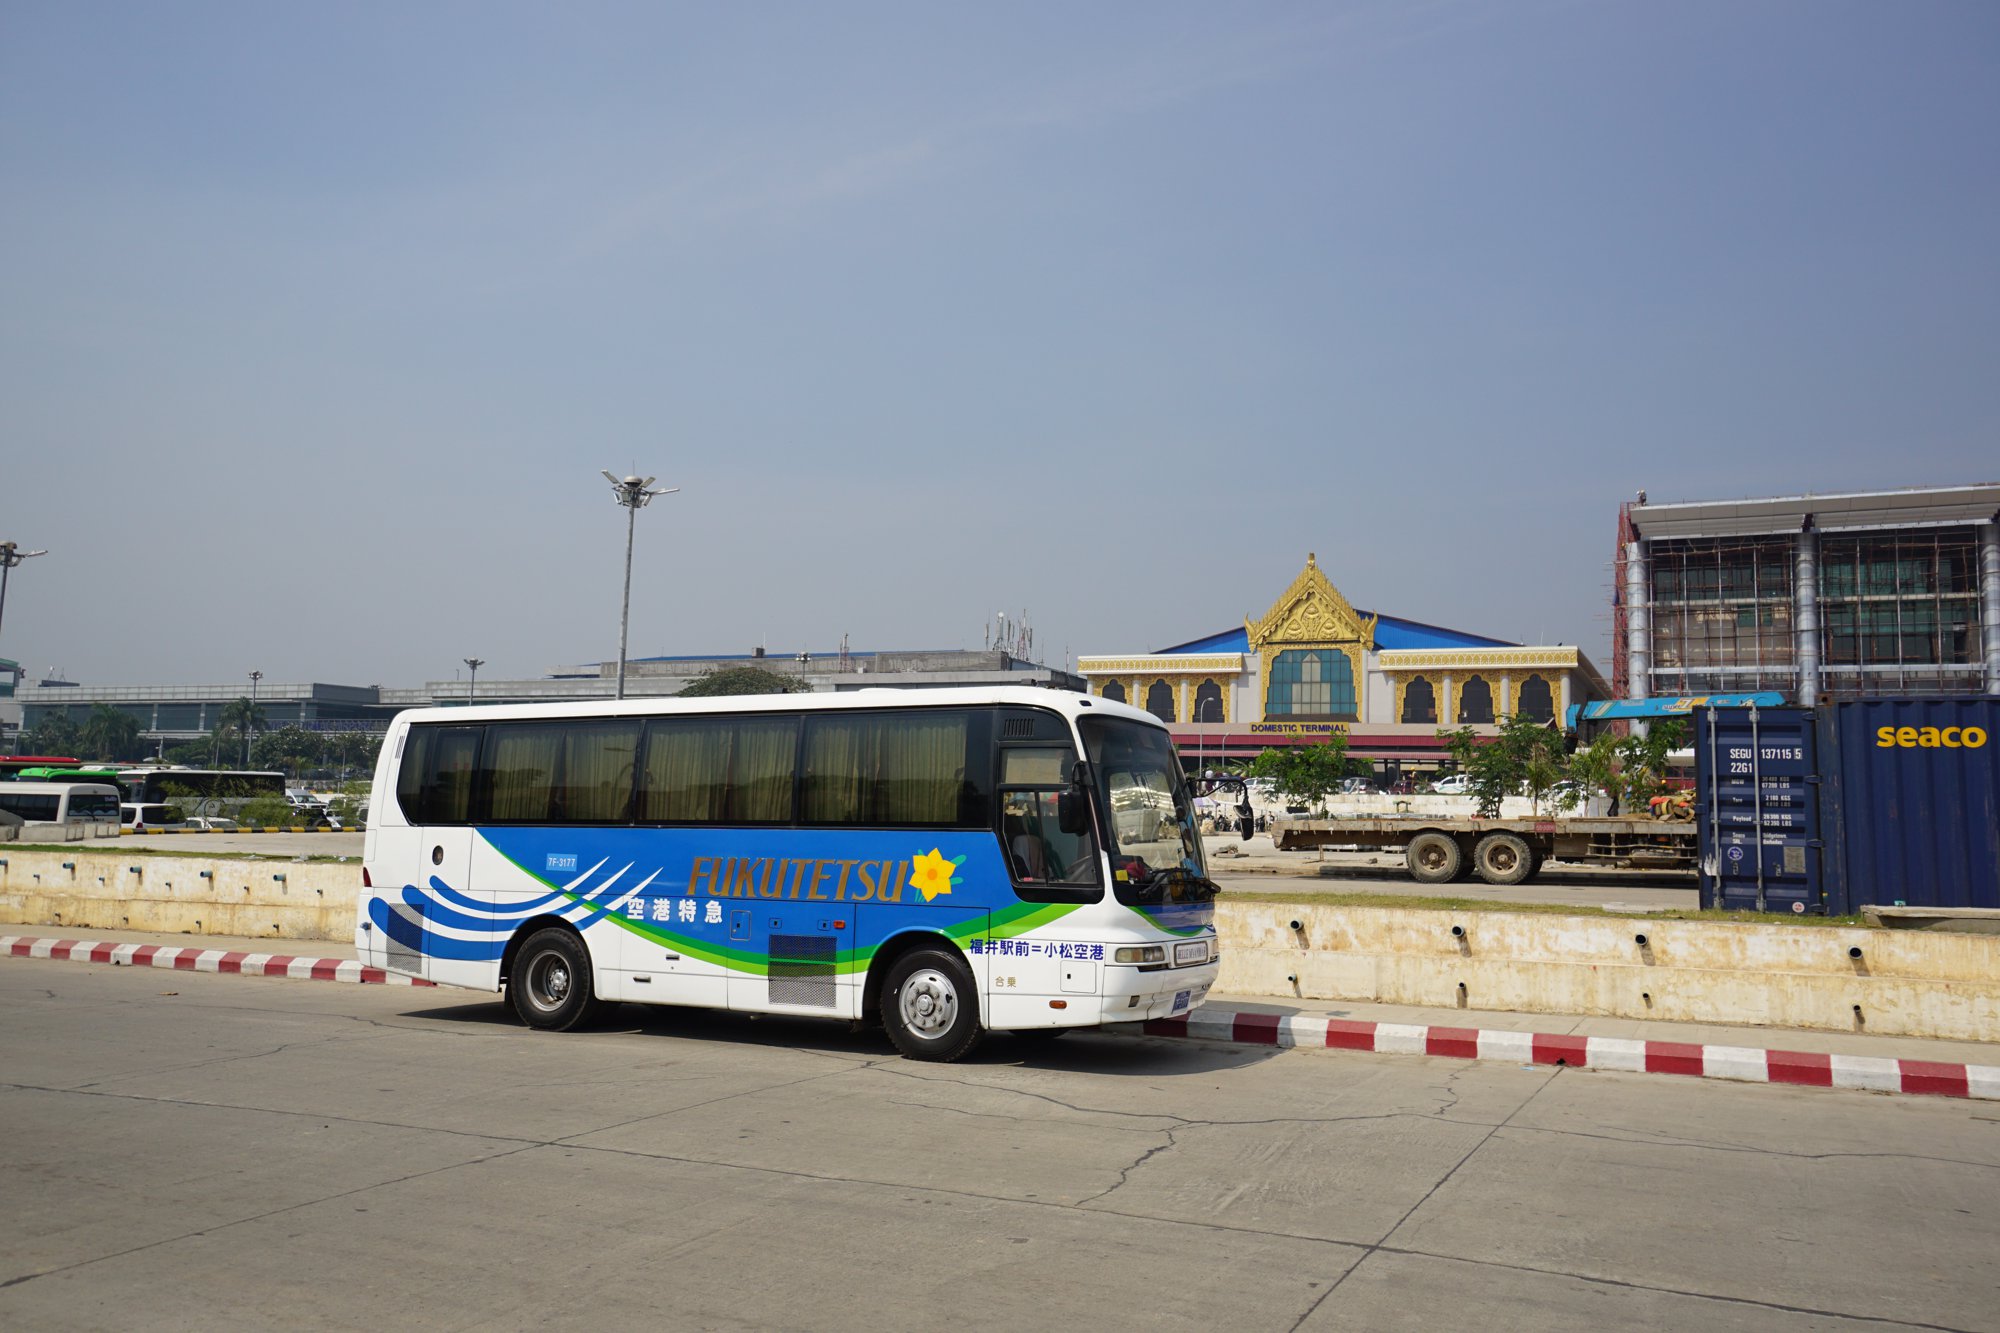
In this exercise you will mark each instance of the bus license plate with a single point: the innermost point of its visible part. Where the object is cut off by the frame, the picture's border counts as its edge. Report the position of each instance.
(1194, 951)
(1181, 1000)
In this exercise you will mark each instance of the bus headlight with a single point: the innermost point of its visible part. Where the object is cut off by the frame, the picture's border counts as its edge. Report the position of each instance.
(1140, 953)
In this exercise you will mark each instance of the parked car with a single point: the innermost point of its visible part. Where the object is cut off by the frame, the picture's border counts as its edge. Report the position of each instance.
(214, 823)
(146, 816)
(1458, 784)
(1358, 787)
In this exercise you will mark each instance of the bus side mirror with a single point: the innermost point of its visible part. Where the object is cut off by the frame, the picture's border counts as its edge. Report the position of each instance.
(1246, 820)
(1073, 811)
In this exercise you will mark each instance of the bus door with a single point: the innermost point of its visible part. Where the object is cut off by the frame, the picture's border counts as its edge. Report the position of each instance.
(431, 859)
(801, 946)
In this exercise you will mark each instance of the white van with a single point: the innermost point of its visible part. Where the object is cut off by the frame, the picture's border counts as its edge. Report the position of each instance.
(60, 802)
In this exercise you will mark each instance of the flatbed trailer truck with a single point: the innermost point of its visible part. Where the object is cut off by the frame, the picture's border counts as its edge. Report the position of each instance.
(1438, 850)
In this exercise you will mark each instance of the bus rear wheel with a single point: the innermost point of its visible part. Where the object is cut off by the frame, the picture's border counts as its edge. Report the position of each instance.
(550, 985)
(930, 1006)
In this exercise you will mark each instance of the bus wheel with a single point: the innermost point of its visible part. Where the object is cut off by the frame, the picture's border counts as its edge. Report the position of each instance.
(550, 985)
(1434, 858)
(1503, 859)
(930, 1007)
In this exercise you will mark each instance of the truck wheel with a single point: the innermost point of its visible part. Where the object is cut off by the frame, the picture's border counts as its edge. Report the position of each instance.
(1503, 858)
(1434, 858)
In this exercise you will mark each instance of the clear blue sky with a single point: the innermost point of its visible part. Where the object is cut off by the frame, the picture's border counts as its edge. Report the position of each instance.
(318, 321)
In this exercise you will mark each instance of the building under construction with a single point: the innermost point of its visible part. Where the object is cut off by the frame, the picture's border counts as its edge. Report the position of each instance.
(1816, 596)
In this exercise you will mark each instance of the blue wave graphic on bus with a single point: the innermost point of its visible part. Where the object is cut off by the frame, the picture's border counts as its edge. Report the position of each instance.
(452, 925)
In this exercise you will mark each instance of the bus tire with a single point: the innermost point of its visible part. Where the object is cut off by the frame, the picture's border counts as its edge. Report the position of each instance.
(550, 984)
(1504, 859)
(1434, 858)
(930, 1006)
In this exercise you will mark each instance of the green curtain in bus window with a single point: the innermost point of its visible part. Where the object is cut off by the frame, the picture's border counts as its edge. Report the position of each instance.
(687, 767)
(597, 771)
(761, 770)
(834, 747)
(521, 773)
(920, 768)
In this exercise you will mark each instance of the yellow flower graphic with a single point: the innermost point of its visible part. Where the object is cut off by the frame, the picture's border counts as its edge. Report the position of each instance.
(930, 874)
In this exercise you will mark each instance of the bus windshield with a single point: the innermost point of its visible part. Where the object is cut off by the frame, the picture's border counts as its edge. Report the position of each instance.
(1155, 848)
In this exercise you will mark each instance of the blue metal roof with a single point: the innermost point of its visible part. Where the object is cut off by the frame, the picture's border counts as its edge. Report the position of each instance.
(1390, 632)
(1395, 632)
(1229, 641)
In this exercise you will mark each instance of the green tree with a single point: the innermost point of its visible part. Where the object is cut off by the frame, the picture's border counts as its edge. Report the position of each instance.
(235, 718)
(293, 749)
(1526, 755)
(55, 734)
(110, 733)
(1594, 768)
(738, 680)
(1643, 761)
(1308, 774)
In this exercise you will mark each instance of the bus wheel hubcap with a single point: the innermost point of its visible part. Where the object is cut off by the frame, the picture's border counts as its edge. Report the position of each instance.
(929, 1003)
(554, 987)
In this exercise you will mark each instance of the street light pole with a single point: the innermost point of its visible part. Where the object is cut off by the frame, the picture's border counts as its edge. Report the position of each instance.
(250, 722)
(11, 555)
(632, 493)
(474, 663)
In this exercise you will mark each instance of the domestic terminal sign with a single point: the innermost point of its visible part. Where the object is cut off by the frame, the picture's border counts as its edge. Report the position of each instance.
(1298, 728)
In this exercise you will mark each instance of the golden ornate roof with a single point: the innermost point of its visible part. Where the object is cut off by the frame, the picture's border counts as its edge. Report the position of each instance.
(1310, 611)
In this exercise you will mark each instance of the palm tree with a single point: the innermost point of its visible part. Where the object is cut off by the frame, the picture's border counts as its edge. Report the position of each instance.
(109, 733)
(242, 717)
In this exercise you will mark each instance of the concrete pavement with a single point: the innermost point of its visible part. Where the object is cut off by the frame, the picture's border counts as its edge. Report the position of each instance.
(214, 1151)
(338, 963)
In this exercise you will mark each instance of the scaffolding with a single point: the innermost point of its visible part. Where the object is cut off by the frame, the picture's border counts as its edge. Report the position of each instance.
(1898, 612)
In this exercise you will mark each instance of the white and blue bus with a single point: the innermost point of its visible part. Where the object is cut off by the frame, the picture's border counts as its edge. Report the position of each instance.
(946, 861)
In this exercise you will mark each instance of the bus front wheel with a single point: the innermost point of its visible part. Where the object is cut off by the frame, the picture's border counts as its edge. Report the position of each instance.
(550, 985)
(930, 1006)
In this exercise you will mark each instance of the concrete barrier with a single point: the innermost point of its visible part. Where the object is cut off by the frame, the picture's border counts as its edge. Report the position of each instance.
(1895, 983)
(1917, 984)
(97, 889)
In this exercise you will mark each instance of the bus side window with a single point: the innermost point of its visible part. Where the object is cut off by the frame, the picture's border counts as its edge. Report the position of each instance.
(894, 770)
(445, 792)
(717, 770)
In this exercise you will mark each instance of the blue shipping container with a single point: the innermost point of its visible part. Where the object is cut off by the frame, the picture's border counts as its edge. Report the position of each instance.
(1757, 776)
(1912, 802)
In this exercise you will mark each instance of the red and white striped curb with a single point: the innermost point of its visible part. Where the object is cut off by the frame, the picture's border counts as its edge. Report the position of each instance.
(204, 960)
(1742, 1063)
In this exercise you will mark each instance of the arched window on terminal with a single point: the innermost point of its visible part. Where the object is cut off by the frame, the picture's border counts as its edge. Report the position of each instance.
(1419, 702)
(1208, 702)
(1160, 701)
(1537, 699)
(1475, 700)
(1114, 690)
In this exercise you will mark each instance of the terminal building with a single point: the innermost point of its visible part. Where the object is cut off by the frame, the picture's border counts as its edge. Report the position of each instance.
(172, 714)
(1312, 666)
(1813, 597)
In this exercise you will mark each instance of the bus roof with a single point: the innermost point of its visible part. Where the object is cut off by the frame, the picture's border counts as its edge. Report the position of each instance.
(1067, 702)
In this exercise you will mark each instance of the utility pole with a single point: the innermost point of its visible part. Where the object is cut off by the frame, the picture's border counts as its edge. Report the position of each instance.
(474, 663)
